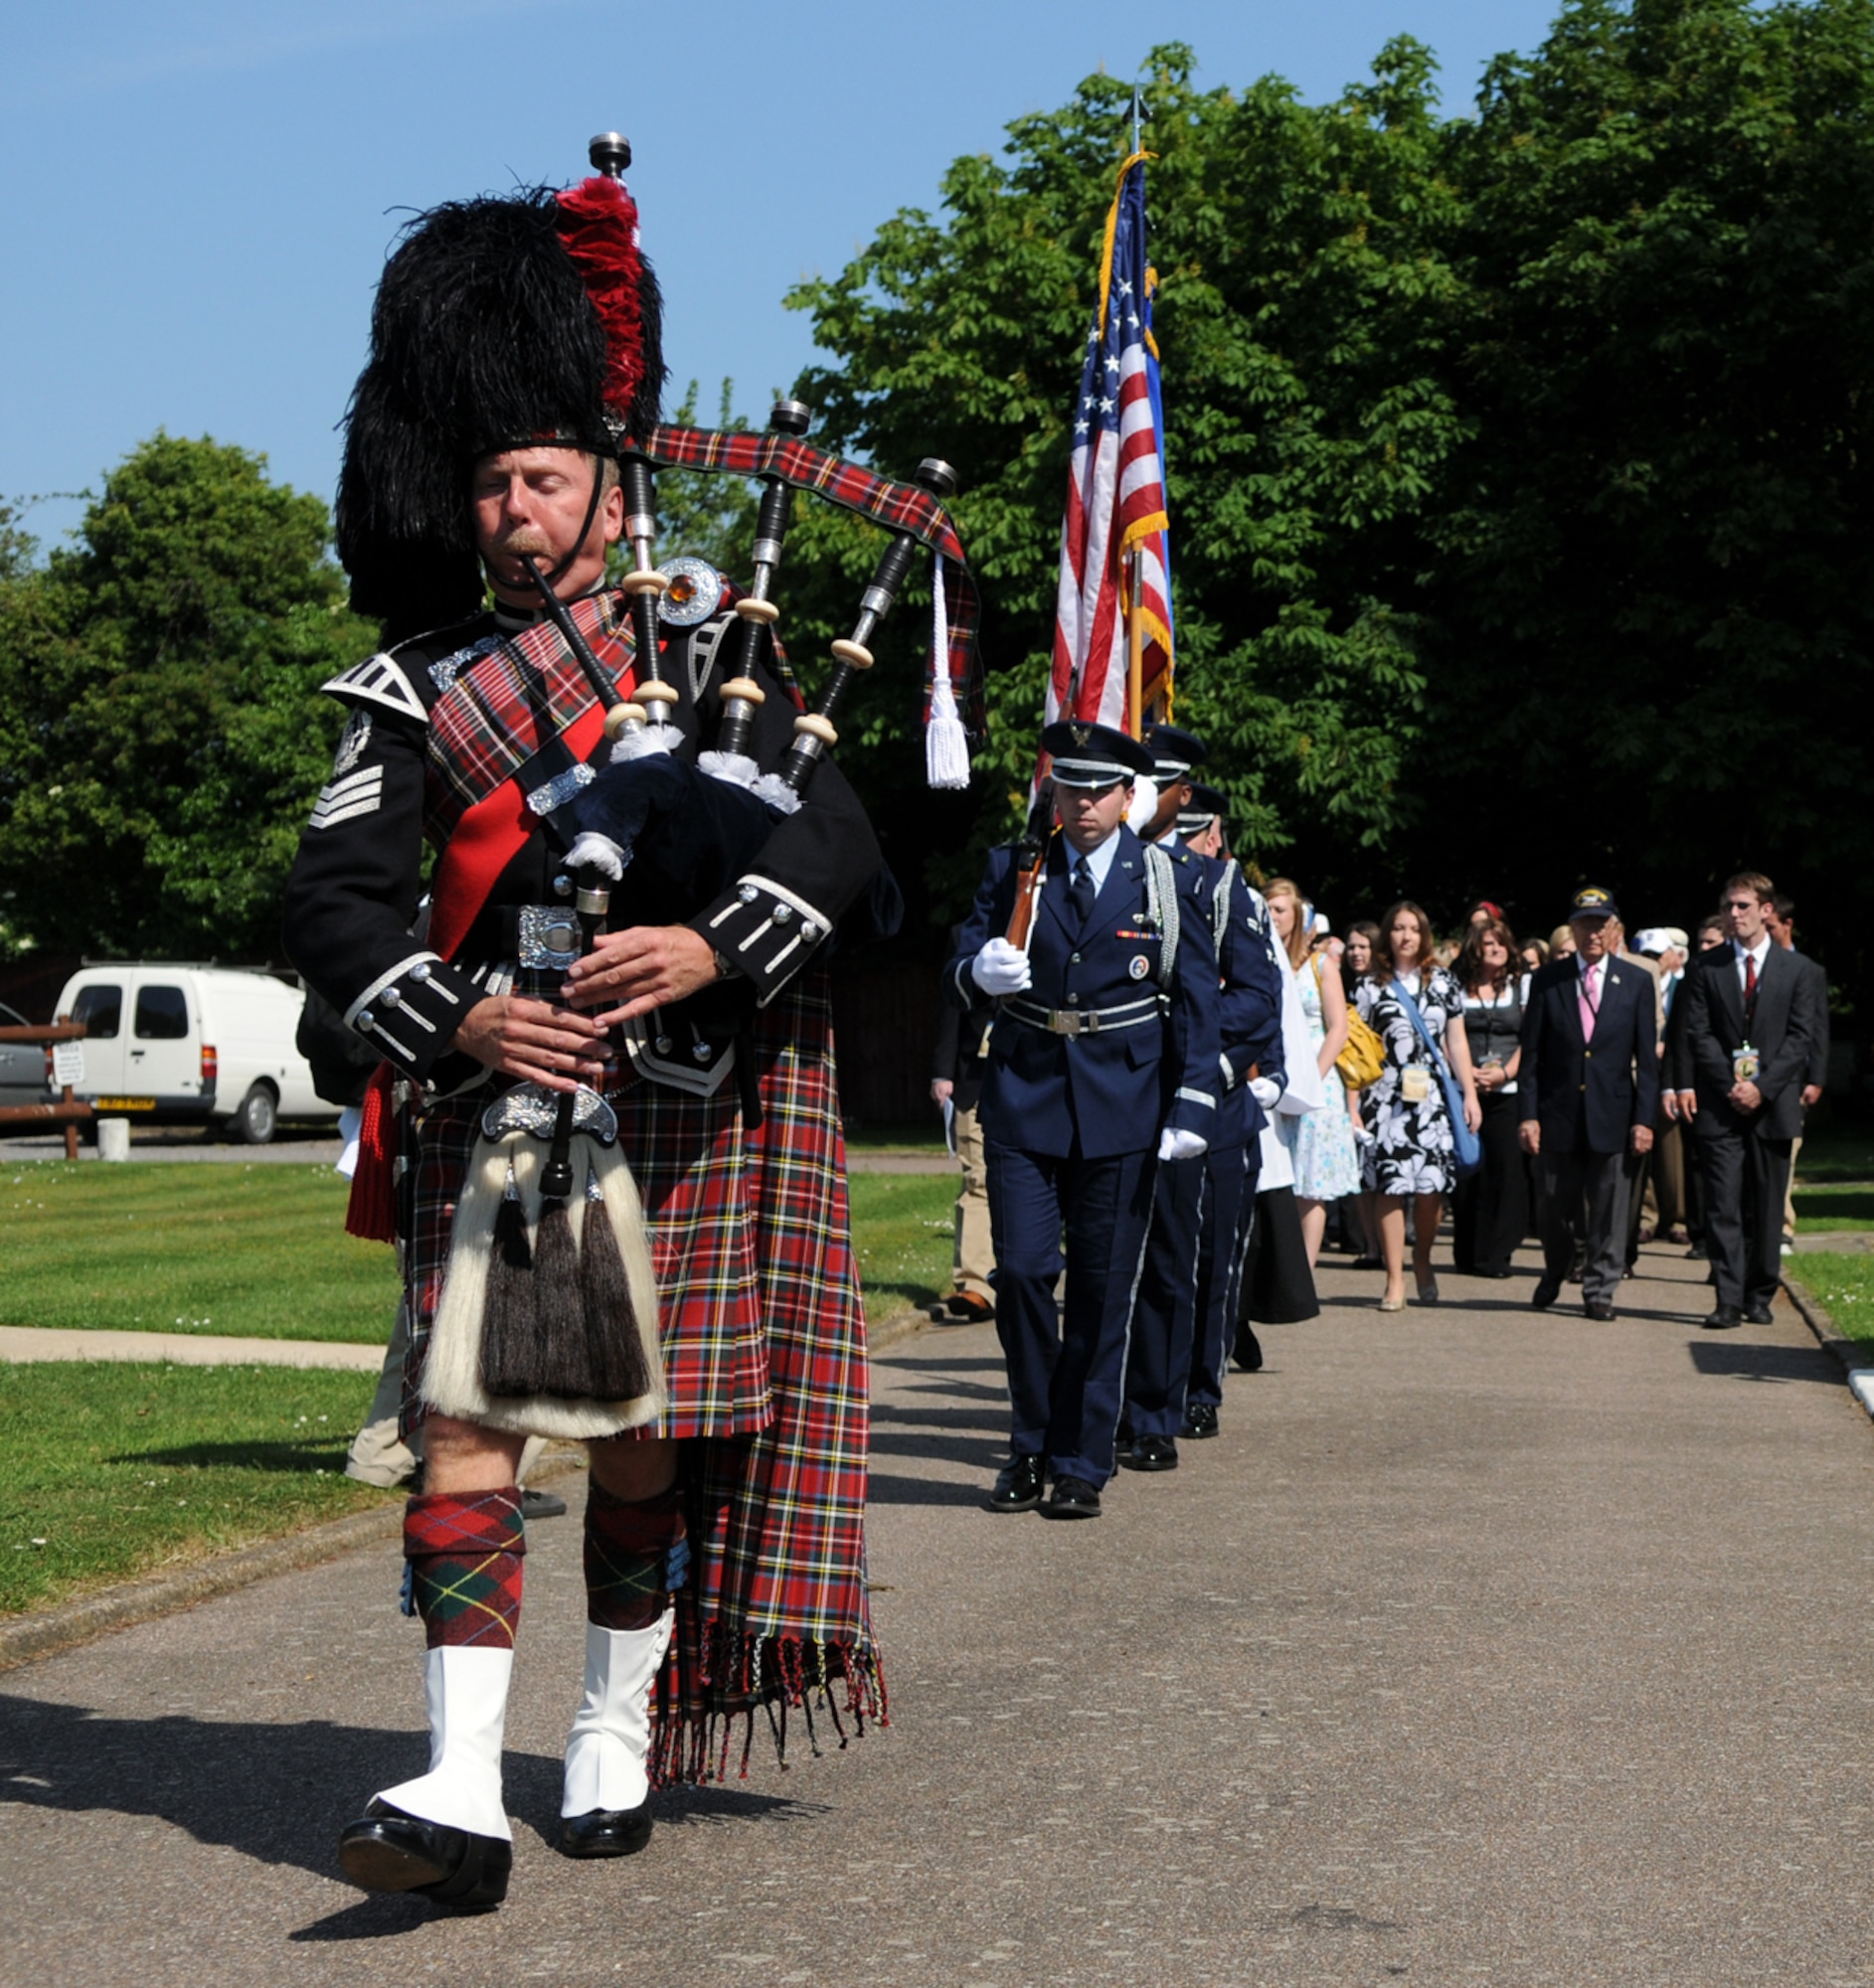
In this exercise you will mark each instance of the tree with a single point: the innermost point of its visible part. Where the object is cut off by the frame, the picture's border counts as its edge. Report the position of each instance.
(1518, 462)
(1303, 303)
(163, 735)
(1655, 606)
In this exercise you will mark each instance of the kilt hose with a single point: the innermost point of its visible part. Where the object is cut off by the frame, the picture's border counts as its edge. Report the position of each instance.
(765, 1360)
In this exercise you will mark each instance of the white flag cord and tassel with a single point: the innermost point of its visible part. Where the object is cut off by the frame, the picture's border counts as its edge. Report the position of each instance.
(945, 746)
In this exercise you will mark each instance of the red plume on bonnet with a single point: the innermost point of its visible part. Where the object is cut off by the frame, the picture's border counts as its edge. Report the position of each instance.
(598, 223)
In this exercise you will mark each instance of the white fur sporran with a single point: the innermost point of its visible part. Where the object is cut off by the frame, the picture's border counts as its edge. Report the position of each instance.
(452, 1368)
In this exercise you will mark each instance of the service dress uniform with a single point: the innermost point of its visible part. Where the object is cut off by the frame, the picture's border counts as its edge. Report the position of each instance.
(1113, 1043)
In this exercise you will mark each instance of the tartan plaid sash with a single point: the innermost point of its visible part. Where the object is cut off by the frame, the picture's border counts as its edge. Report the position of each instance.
(525, 693)
(900, 506)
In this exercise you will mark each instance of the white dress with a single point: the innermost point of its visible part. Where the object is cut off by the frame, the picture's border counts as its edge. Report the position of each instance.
(1327, 1160)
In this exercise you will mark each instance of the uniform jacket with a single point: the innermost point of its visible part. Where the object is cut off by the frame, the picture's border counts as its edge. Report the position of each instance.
(1109, 1092)
(1791, 1013)
(1250, 1003)
(957, 1051)
(1589, 1094)
(429, 723)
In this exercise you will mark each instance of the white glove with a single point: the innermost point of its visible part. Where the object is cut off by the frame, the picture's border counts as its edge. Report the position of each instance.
(598, 852)
(1266, 1092)
(1000, 968)
(1174, 1145)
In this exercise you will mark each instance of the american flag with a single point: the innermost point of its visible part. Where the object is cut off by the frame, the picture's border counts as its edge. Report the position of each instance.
(1116, 494)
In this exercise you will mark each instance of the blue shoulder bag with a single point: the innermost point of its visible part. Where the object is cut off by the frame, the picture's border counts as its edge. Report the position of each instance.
(1467, 1148)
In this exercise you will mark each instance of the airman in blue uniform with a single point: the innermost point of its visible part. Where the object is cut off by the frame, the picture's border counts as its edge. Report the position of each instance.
(1102, 1062)
(1174, 1362)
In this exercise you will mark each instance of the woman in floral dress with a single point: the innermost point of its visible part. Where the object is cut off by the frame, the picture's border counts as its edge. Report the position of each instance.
(1413, 1157)
(1327, 1160)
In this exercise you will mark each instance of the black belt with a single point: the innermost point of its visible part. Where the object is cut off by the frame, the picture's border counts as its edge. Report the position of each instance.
(1083, 1021)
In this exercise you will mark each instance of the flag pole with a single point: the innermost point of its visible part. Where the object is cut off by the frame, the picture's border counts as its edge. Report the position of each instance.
(1134, 646)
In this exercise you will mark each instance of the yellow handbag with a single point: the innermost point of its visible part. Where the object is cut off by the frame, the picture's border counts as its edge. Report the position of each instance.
(1361, 1062)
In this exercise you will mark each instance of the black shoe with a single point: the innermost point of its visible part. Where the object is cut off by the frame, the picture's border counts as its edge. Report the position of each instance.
(607, 1832)
(1545, 1293)
(1150, 1452)
(1074, 1498)
(1494, 1273)
(1697, 1253)
(1598, 1309)
(1757, 1314)
(1249, 1351)
(388, 1850)
(542, 1505)
(1199, 1421)
(1724, 1318)
(1017, 1486)
(1122, 1443)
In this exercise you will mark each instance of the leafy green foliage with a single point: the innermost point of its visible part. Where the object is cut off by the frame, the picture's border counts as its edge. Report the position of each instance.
(162, 739)
(1516, 460)
(1653, 598)
(1300, 309)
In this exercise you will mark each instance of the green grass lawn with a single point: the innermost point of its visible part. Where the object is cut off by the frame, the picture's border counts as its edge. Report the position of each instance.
(1844, 1288)
(261, 1252)
(257, 1251)
(1836, 1155)
(109, 1470)
(1821, 1208)
(900, 1229)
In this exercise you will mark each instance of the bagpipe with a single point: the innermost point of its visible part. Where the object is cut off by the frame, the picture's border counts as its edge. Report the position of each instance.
(549, 1276)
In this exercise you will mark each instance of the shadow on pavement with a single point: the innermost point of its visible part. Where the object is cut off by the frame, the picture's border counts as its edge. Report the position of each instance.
(910, 1364)
(322, 1453)
(885, 1489)
(1744, 1361)
(277, 1793)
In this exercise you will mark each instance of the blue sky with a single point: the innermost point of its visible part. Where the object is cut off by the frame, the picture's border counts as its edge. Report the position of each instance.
(199, 194)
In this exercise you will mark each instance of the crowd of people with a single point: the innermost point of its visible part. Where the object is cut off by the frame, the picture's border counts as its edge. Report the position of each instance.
(1596, 1088)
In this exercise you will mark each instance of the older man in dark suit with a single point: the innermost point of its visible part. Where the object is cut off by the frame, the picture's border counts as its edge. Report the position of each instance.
(1752, 1014)
(1589, 1082)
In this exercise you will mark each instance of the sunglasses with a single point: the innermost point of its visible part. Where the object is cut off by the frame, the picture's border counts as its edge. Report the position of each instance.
(1741, 903)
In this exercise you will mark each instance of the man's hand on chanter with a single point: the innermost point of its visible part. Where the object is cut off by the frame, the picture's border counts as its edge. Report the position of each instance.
(630, 972)
(536, 1040)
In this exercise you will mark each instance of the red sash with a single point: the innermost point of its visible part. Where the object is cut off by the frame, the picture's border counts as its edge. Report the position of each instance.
(486, 841)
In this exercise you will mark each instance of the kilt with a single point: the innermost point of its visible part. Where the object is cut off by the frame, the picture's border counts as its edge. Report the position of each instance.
(764, 1344)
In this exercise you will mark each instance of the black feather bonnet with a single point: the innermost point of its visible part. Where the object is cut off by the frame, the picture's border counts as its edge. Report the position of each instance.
(498, 323)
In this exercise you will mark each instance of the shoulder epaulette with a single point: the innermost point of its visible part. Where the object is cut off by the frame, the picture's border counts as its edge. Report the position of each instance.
(379, 680)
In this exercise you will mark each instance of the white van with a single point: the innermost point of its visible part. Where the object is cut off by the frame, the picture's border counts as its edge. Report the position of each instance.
(177, 1044)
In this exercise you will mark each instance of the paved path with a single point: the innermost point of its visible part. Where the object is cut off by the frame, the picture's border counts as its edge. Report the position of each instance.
(187, 1349)
(1484, 1646)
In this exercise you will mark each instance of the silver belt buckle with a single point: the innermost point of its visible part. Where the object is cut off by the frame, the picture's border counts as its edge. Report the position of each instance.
(1066, 1021)
(549, 936)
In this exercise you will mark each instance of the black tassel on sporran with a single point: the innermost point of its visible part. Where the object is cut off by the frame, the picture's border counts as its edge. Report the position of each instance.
(617, 1349)
(511, 1348)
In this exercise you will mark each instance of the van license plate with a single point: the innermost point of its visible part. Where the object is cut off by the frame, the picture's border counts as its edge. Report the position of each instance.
(124, 1105)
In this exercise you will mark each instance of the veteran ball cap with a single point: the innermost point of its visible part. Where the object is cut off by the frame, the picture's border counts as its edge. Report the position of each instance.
(1174, 753)
(1092, 756)
(1593, 902)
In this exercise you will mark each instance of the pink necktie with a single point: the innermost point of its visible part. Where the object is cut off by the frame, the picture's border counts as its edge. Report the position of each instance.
(1589, 997)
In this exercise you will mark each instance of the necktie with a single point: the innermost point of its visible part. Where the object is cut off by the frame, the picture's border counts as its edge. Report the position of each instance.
(1749, 990)
(1081, 889)
(1590, 1000)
